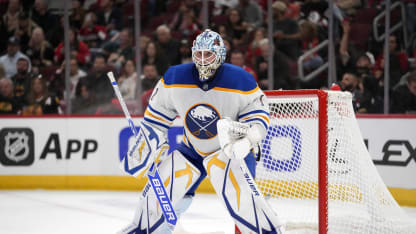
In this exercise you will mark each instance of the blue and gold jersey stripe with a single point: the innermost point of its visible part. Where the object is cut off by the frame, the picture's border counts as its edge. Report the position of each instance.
(194, 86)
(156, 117)
(260, 116)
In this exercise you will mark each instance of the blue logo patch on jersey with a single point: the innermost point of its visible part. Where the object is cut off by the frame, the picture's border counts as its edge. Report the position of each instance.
(201, 120)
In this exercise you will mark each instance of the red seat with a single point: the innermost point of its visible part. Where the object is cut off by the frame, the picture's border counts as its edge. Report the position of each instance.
(219, 19)
(48, 72)
(173, 6)
(365, 16)
(359, 35)
(158, 20)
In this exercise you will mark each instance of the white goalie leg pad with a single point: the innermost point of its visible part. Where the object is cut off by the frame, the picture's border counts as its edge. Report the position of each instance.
(178, 176)
(251, 213)
(147, 145)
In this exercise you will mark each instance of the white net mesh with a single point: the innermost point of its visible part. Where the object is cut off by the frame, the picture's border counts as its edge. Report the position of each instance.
(287, 173)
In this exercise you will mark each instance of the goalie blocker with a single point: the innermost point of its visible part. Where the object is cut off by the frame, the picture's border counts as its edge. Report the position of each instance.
(149, 146)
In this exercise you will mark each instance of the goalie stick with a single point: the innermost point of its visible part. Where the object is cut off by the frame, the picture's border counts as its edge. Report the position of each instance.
(153, 174)
(235, 143)
(241, 130)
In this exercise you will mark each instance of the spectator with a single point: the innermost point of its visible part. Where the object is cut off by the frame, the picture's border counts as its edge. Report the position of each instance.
(368, 95)
(75, 74)
(98, 83)
(189, 26)
(24, 30)
(293, 10)
(128, 80)
(77, 14)
(149, 81)
(178, 16)
(223, 32)
(121, 44)
(78, 49)
(41, 15)
(84, 101)
(228, 47)
(287, 50)
(411, 17)
(285, 56)
(185, 8)
(11, 18)
(350, 58)
(169, 47)
(91, 33)
(262, 64)
(251, 13)
(120, 48)
(39, 50)
(110, 16)
(345, 60)
(348, 7)
(236, 28)
(404, 96)
(3, 36)
(364, 65)
(308, 35)
(8, 105)
(145, 98)
(237, 58)
(153, 55)
(221, 6)
(283, 28)
(2, 72)
(399, 64)
(282, 80)
(185, 52)
(253, 49)
(56, 34)
(150, 77)
(144, 40)
(9, 60)
(349, 82)
(40, 101)
(22, 81)
(314, 10)
(414, 59)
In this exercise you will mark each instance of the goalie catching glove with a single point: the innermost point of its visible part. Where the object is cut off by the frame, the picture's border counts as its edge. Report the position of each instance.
(237, 139)
(149, 145)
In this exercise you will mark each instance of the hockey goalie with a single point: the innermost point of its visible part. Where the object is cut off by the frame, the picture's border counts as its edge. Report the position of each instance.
(225, 115)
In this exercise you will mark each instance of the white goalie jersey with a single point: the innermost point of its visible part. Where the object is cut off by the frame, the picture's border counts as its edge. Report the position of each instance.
(232, 93)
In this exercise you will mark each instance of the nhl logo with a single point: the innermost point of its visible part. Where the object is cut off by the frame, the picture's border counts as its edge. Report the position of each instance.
(16, 146)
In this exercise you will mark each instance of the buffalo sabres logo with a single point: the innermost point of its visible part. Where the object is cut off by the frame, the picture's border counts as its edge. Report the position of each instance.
(16, 146)
(201, 121)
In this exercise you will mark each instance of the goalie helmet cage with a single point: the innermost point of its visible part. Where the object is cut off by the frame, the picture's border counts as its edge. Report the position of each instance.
(315, 170)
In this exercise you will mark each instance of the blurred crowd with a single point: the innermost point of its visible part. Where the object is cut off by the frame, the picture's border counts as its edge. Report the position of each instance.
(101, 35)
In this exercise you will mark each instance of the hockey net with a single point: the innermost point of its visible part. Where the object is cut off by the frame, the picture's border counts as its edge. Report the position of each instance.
(316, 172)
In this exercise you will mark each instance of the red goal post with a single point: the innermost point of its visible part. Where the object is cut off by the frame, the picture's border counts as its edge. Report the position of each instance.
(316, 172)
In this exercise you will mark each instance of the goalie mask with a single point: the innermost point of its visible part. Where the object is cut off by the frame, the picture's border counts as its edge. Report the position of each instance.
(208, 53)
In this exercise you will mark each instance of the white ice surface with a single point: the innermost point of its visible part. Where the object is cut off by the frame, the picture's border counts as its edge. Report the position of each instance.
(64, 212)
